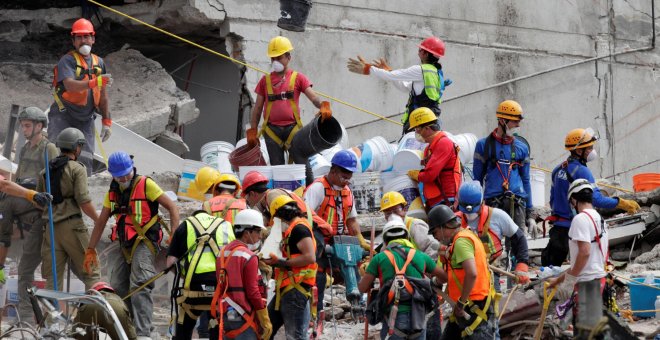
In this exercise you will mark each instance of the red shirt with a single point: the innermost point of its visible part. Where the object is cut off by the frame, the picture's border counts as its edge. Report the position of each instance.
(281, 113)
(443, 157)
(242, 271)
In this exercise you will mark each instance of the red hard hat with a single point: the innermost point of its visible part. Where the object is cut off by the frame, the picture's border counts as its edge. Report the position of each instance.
(434, 46)
(99, 286)
(253, 177)
(82, 26)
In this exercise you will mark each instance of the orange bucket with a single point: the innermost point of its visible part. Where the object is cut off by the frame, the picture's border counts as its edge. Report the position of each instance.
(246, 156)
(646, 181)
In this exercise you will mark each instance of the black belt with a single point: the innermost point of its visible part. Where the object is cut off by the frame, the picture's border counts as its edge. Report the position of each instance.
(280, 96)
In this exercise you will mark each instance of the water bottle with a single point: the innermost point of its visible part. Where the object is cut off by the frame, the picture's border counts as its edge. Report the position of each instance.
(550, 271)
(657, 307)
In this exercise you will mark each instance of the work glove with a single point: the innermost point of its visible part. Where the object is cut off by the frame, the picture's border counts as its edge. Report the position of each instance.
(40, 198)
(522, 275)
(414, 175)
(325, 111)
(629, 206)
(381, 63)
(264, 323)
(363, 243)
(359, 66)
(105, 129)
(565, 289)
(252, 139)
(91, 260)
(364, 265)
(275, 261)
(3, 277)
(101, 81)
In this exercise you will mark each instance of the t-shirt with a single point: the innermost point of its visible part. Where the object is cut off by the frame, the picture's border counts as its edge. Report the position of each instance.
(298, 233)
(281, 113)
(152, 189)
(66, 68)
(463, 250)
(583, 229)
(315, 194)
(500, 222)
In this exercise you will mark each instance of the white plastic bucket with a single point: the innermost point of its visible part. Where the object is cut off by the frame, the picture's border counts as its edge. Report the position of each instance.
(262, 146)
(187, 190)
(320, 166)
(467, 142)
(216, 155)
(400, 182)
(329, 153)
(289, 177)
(409, 154)
(408, 142)
(343, 142)
(367, 191)
(266, 170)
(376, 154)
(537, 179)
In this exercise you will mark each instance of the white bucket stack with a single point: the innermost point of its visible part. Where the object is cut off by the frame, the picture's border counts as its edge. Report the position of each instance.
(290, 177)
(216, 155)
(537, 179)
(374, 154)
(367, 191)
(320, 165)
(409, 154)
(467, 142)
(400, 182)
(187, 190)
(266, 170)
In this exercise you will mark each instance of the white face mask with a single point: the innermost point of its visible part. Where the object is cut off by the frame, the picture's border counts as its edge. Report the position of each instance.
(510, 132)
(124, 185)
(254, 246)
(471, 216)
(394, 217)
(276, 66)
(419, 138)
(592, 156)
(85, 50)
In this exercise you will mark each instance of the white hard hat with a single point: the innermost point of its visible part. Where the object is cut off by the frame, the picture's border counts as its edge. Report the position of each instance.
(248, 219)
(579, 185)
(395, 229)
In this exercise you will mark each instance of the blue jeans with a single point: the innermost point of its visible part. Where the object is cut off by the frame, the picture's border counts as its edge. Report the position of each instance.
(402, 323)
(248, 334)
(294, 315)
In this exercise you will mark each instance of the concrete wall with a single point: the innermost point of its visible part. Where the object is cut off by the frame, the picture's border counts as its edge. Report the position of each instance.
(488, 42)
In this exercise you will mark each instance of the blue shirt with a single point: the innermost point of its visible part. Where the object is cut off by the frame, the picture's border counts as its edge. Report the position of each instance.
(486, 172)
(559, 191)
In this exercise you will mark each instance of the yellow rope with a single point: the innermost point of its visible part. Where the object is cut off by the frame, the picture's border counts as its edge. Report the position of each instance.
(599, 184)
(100, 144)
(636, 282)
(506, 303)
(232, 59)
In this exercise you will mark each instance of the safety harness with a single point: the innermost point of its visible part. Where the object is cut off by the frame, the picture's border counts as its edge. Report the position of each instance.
(336, 207)
(431, 97)
(272, 97)
(83, 72)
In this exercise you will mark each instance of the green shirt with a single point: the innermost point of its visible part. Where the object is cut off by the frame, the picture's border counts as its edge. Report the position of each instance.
(31, 159)
(463, 250)
(74, 191)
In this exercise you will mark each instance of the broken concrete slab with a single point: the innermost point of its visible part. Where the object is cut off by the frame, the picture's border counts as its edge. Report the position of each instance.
(172, 142)
(13, 31)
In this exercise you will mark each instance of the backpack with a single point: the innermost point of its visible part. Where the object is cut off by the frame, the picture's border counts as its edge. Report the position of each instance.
(56, 169)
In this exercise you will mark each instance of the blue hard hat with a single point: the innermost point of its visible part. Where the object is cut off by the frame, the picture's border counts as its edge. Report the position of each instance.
(345, 160)
(470, 197)
(120, 164)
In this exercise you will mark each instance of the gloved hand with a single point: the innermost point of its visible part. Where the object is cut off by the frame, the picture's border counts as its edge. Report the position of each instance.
(42, 198)
(264, 323)
(414, 175)
(363, 266)
(359, 66)
(522, 275)
(105, 129)
(266, 270)
(101, 81)
(629, 206)
(566, 287)
(363, 243)
(91, 260)
(252, 139)
(275, 261)
(325, 111)
(381, 63)
(3, 277)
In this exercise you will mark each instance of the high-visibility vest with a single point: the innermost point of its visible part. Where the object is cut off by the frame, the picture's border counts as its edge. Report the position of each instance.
(272, 97)
(305, 274)
(431, 97)
(83, 72)
(328, 209)
(435, 188)
(225, 206)
(492, 242)
(456, 276)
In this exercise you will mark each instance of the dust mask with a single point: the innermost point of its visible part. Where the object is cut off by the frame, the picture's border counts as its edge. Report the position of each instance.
(512, 131)
(419, 138)
(394, 217)
(85, 50)
(124, 185)
(592, 156)
(276, 66)
(471, 216)
(254, 246)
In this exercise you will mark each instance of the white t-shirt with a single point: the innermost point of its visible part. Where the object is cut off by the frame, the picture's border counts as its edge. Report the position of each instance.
(583, 229)
(403, 79)
(316, 193)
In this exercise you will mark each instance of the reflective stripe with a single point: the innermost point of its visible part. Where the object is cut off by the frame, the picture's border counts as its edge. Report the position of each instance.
(239, 253)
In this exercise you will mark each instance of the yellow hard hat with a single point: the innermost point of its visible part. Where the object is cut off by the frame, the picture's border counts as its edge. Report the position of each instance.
(421, 116)
(205, 178)
(391, 199)
(231, 178)
(278, 46)
(579, 139)
(279, 202)
(509, 109)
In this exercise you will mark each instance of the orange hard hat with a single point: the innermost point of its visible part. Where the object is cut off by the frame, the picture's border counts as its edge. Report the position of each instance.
(434, 46)
(253, 177)
(82, 26)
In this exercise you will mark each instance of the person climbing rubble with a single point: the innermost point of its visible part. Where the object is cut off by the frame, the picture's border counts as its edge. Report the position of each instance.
(580, 143)
(277, 97)
(405, 296)
(133, 200)
(92, 316)
(425, 82)
(240, 295)
(80, 91)
(21, 206)
(442, 173)
(501, 164)
(195, 246)
(224, 189)
(68, 185)
(469, 283)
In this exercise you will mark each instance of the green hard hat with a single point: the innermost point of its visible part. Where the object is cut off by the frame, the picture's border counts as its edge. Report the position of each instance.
(70, 138)
(34, 114)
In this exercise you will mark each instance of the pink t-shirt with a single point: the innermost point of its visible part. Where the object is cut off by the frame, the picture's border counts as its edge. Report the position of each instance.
(281, 113)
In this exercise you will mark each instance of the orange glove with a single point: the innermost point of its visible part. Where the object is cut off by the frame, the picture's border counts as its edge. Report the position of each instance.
(414, 175)
(91, 260)
(275, 260)
(521, 272)
(381, 63)
(325, 110)
(359, 66)
(251, 135)
(101, 81)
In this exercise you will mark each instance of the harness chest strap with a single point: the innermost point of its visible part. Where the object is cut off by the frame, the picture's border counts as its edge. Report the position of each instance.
(141, 237)
(204, 239)
(279, 292)
(296, 114)
(81, 65)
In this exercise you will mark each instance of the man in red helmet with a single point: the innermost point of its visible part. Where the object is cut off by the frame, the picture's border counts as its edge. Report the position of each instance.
(95, 315)
(425, 82)
(80, 91)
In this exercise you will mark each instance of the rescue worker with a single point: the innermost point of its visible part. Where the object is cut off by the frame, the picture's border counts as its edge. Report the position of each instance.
(588, 246)
(80, 91)
(241, 289)
(295, 271)
(580, 143)
(91, 315)
(393, 206)
(425, 82)
(68, 185)
(469, 281)
(21, 207)
(501, 165)
(277, 97)
(225, 188)
(133, 200)
(492, 226)
(195, 246)
(442, 174)
(399, 257)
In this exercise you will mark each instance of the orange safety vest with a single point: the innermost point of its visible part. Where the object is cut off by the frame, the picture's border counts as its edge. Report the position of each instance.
(305, 274)
(328, 209)
(83, 72)
(225, 206)
(436, 188)
(271, 97)
(492, 242)
(456, 276)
